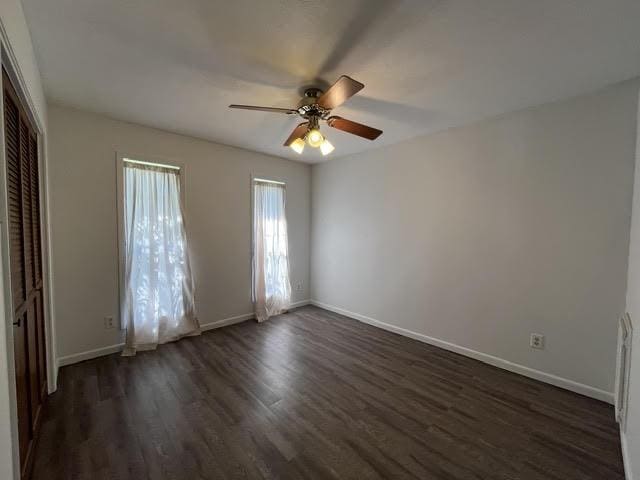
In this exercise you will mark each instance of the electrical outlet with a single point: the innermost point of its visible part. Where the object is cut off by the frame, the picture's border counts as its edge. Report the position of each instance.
(108, 323)
(537, 341)
(299, 286)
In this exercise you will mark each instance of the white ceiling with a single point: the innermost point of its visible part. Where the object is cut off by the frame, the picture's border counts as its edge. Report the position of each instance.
(427, 65)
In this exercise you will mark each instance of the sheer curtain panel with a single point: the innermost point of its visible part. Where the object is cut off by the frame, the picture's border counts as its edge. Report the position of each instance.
(158, 298)
(271, 286)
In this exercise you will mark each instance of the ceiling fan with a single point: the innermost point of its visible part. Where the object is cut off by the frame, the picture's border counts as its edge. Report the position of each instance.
(316, 105)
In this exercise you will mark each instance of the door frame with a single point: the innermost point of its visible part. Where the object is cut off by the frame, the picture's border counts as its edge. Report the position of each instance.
(10, 64)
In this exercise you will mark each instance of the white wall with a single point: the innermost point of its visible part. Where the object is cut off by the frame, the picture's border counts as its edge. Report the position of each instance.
(19, 58)
(483, 234)
(631, 437)
(83, 149)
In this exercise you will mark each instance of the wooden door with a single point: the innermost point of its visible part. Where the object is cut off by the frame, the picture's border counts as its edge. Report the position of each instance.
(25, 258)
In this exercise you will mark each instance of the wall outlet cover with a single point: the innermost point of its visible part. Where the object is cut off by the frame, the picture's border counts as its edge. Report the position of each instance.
(537, 341)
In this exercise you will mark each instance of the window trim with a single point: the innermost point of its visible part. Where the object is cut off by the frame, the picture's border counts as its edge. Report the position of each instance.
(121, 159)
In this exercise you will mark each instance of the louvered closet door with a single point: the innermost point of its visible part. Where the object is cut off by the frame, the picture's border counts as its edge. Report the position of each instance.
(25, 254)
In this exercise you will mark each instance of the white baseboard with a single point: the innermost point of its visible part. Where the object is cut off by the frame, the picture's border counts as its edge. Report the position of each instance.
(99, 352)
(89, 354)
(625, 456)
(226, 321)
(483, 357)
(301, 303)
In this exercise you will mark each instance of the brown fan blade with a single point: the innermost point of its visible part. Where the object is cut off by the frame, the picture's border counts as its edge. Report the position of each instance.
(354, 128)
(298, 132)
(288, 111)
(339, 92)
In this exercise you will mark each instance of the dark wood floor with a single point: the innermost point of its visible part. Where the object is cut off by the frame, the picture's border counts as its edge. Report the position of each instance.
(312, 394)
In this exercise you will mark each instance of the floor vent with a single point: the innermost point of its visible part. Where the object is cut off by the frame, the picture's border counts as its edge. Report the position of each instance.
(623, 368)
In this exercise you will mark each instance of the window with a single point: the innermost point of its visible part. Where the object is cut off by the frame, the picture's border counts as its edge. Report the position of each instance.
(157, 303)
(271, 285)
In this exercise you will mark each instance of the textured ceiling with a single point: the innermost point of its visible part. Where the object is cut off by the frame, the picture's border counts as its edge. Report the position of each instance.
(427, 65)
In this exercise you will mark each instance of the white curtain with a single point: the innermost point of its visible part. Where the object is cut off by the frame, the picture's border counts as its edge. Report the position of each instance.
(271, 286)
(158, 298)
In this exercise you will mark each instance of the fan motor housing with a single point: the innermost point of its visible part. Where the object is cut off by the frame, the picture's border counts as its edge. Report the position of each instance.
(308, 105)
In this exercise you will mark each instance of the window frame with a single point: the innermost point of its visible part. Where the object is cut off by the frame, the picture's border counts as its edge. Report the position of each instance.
(121, 159)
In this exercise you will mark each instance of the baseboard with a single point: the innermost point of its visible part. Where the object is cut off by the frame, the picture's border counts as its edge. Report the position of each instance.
(301, 303)
(89, 354)
(226, 321)
(100, 352)
(625, 457)
(483, 357)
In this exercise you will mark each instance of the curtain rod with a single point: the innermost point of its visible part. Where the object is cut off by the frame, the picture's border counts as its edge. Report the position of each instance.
(140, 162)
(264, 180)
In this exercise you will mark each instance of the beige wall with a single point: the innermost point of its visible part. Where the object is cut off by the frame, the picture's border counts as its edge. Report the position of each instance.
(83, 149)
(482, 235)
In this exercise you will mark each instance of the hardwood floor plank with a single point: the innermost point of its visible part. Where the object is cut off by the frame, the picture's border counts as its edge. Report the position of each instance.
(315, 395)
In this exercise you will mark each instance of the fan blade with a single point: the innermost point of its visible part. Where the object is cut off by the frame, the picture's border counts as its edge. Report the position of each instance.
(354, 128)
(298, 132)
(344, 88)
(288, 111)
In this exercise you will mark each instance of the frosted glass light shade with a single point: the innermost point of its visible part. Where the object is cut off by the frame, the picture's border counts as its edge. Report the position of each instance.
(297, 145)
(326, 148)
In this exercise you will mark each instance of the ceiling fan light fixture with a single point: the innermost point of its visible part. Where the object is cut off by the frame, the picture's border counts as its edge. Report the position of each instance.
(326, 147)
(314, 138)
(297, 145)
(317, 105)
